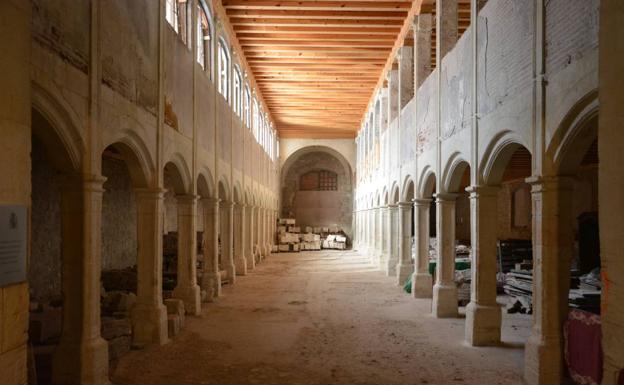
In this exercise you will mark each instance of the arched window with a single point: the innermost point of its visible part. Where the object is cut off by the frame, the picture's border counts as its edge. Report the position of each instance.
(204, 36)
(256, 118)
(247, 102)
(237, 92)
(177, 14)
(224, 68)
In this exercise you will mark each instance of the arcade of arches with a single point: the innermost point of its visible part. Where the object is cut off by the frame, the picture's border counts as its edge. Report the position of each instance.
(469, 150)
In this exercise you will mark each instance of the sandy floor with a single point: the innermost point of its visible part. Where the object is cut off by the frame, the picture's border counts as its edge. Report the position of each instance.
(323, 318)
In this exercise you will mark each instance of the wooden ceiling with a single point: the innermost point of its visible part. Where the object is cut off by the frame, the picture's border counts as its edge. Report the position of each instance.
(317, 63)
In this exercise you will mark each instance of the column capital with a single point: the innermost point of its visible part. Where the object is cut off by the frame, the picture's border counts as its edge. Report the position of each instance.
(393, 206)
(187, 198)
(150, 193)
(445, 197)
(209, 200)
(542, 183)
(422, 202)
(482, 190)
(404, 205)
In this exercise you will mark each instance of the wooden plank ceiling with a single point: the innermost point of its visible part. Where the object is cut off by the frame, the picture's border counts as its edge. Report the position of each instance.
(317, 63)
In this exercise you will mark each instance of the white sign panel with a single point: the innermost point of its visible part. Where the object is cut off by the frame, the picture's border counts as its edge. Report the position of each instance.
(13, 238)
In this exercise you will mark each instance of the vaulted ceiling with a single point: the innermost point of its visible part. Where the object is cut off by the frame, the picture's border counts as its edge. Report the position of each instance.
(317, 62)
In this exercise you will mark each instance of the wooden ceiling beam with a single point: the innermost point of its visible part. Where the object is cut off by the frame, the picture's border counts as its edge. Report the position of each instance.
(256, 22)
(277, 36)
(323, 29)
(312, 14)
(317, 5)
(268, 44)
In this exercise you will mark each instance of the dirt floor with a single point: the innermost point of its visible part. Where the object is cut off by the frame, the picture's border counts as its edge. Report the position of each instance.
(320, 318)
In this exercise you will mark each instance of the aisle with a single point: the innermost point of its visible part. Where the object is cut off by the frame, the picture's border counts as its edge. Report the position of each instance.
(319, 318)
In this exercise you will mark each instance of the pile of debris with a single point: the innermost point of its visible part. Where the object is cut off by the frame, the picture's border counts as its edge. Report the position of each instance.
(519, 286)
(585, 293)
(292, 239)
(288, 235)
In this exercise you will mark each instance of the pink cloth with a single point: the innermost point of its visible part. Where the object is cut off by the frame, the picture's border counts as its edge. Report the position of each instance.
(583, 347)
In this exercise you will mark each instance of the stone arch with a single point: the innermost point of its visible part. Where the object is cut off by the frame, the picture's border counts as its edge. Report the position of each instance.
(60, 128)
(454, 171)
(498, 154)
(182, 176)
(377, 202)
(394, 196)
(576, 133)
(384, 197)
(237, 195)
(305, 150)
(205, 184)
(223, 189)
(408, 189)
(426, 183)
(136, 157)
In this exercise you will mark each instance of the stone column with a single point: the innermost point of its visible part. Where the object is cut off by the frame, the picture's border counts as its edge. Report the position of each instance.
(393, 94)
(267, 232)
(376, 255)
(406, 75)
(82, 354)
(384, 232)
(227, 246)
(446, 27)
(239, 240)
(405, 266)
(258, 238)
(211, 278)
(421, 279)
(483, 314)
(249, 253)
(369, 233)
(423, 25)
(552, 251)
(445, 290)
(391, 244)
(149, 315)
(187, 289)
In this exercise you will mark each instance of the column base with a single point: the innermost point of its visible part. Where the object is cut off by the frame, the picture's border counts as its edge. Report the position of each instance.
(251, 262)
(267, 250)
(383, 261)
(81, 362)
(403, 273)
(149, 325)
(444, 301)
(543, 361)
(422, 285)
(391, 267)
(211, 284)
(483, 324)
(231, 273)
(191, 296)
(241, 266)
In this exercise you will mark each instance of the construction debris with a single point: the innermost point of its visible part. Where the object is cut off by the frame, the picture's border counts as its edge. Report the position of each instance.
(291, 239)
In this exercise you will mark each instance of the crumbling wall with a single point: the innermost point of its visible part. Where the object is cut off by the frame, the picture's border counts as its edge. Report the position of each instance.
(408, 132)
(455, 93)
(119, 217)
(427, 117)
(44, 271)
(318, 208)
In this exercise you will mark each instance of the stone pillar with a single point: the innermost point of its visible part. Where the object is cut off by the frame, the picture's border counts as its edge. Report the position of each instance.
(258, 238)
(552, 250)
(406, 75)
(376, 255)
(611, 185)
(187, 289)
(422, 284)
(423, 25)
(369, 233)
(249, 253)
(384, 235)
(405, 267)
(227, 246)
(483, 314)
(211, 278)
(239, 240)
(149, 315)
(445, 291)
(393, 94)
(392, 244)
(447, 30)
(267, 232)
(82, 354)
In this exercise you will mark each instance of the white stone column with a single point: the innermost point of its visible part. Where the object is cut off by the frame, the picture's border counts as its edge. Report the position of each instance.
(239, 239)
(392, 244)
(483, 314)
(406, 75)
(384, 232)
(422, 284)
(423, 25)
(227, 247)
(211, 278)
(250, 231)
(377, 236)
(187, 289)
(552, 251)
(370, 233)
(149, 315)
(82, 353)
(445, 291)
(258, 238)
(406, 266)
